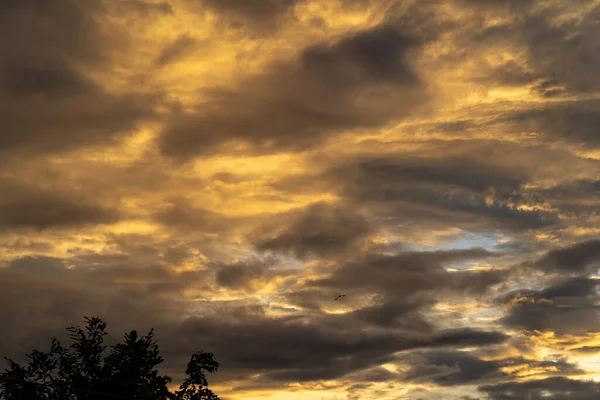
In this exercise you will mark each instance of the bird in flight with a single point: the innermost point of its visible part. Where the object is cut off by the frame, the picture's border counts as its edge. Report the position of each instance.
(339, 297)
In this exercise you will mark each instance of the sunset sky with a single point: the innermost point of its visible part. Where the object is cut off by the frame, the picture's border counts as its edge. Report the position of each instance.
(221, 170)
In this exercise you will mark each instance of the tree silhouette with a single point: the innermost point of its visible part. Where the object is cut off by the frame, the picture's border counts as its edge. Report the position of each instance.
(84, 372)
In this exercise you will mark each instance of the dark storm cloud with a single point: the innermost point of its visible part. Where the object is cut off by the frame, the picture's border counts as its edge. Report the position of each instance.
(568, 307)
(47, 102)
(557, 388)
(30, 207)
(363, 80)
(321, 229)
(580, 258)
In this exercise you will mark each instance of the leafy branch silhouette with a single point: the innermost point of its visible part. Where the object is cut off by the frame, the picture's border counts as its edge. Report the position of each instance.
(84, 372)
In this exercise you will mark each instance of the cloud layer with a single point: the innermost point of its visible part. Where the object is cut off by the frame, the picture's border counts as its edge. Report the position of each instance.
(223, 170)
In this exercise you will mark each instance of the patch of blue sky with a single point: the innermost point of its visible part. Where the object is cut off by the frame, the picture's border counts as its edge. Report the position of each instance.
(490, 241)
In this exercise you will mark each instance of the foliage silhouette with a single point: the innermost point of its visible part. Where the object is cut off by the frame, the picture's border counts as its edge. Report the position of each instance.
(84, 372)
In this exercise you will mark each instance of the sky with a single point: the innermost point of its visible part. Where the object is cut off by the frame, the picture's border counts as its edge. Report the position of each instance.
(221, 170)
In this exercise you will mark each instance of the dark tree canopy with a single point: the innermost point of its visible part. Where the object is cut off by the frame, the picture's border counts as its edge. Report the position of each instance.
(85, 371)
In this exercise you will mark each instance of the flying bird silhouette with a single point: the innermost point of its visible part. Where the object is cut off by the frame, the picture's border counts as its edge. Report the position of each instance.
(339, 296)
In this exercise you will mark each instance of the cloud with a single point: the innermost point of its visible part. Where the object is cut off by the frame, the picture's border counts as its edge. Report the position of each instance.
(567, 307)
(47, 101)
(559, 46)
(586, 350)
(147, 7)
(556, 388)
(401, 286)
(571, 121)
(261, 13)
(457, 368)
(447, 185)
(240, 275)
(128, 289)
(56, 292)
(495, 4)
(175, 50)
(329, 88)
(580, 258)
(181, 214)
(289, 350)
(402, 313)
(322, 230)
(359, 134)
(31, 207)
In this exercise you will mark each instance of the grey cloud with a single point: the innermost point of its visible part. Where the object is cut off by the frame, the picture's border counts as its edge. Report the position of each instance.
(176, 255)
(50, 212)
(571, 121)
(239, 275)
(236, 276)
(579, 198)
(458, 183)
(48, 294)
(296, 105)
(47, 104)
(586, 350)
(285, 350)
(567, 52)
(405, 284)
(452, 368)
(242, 336)
(378, 53)
(448, 368)
(580, 258)
(147, 7)
(135, 277)
(560, 54)
(263, 12)
(567, 307)
(445, 190)
(175, 51)
(31, 207)
(183, 215)
(403, 314)
(452, 172)
(322, 229)
(499, 3)
(557, 388)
